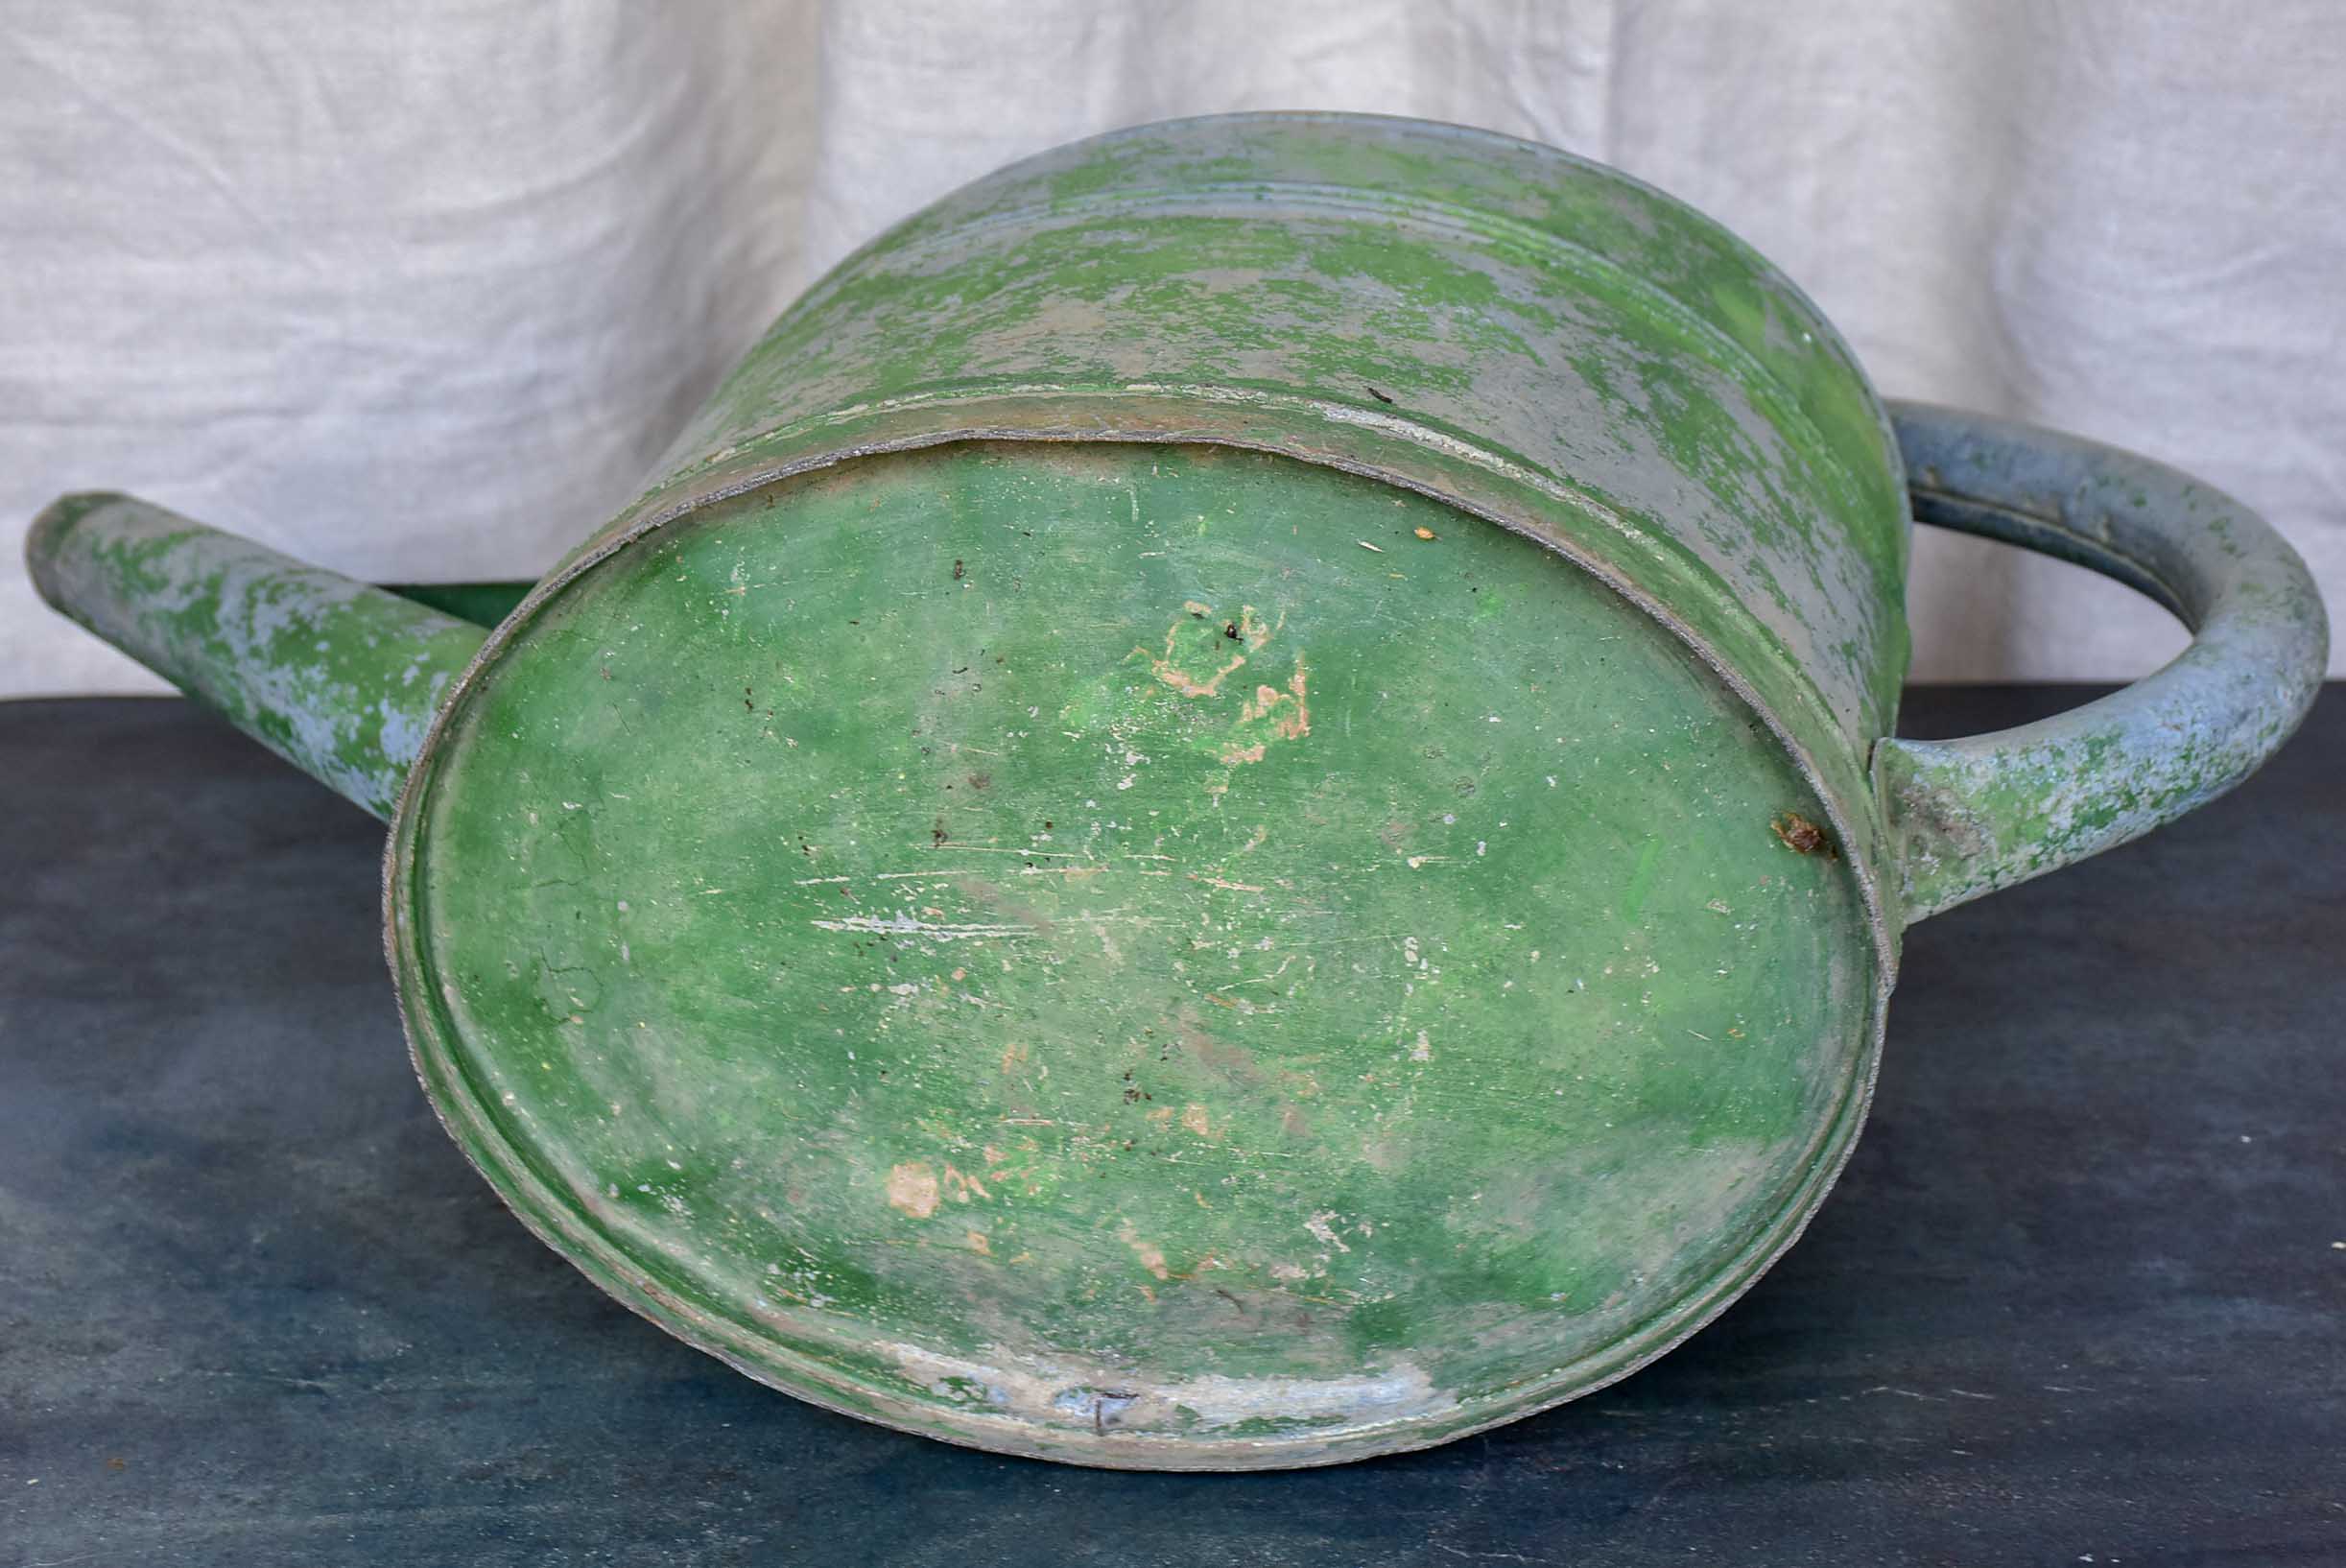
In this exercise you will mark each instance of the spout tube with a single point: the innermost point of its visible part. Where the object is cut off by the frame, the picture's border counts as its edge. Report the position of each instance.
(339, 677)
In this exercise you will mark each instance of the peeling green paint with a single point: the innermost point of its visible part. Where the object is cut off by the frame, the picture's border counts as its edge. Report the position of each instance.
(1090, 956)
(339, 678)
(1227, 808)
(1969, 817)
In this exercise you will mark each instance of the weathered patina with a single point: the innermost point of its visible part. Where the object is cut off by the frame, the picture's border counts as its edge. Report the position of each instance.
(338, 677)
(1225, 810)
(1971, 816)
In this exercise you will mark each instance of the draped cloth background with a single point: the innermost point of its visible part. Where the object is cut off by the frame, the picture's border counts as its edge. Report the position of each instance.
(418, 291)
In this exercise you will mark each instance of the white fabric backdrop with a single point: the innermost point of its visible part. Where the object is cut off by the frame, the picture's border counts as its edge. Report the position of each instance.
(418, 291)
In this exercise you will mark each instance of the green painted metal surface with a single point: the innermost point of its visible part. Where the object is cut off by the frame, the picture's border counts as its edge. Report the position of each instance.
(1969, 817)
(1533, 337)
(1225, 810)
(338, 677)
(483, 604)
(1068, 949)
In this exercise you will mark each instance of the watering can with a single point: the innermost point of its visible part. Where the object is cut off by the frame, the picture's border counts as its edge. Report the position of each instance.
(1234, 804)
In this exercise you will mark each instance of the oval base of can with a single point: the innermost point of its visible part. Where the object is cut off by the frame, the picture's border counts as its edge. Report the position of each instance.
(1139, 955)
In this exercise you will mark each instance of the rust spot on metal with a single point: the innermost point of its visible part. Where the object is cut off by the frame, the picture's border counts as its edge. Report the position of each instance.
(1804, 837)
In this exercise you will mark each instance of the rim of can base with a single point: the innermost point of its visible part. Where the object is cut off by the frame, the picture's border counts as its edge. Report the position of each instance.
(549, 1216)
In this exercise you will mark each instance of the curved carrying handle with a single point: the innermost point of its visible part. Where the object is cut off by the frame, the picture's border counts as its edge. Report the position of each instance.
(1968, 817)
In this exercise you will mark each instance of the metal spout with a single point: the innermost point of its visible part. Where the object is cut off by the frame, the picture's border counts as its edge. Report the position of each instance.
(339, 677)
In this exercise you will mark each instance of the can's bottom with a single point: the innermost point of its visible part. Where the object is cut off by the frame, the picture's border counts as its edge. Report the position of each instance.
(1159, 955)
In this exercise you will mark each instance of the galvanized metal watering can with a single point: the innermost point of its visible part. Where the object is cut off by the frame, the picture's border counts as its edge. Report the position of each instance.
(1232, 806)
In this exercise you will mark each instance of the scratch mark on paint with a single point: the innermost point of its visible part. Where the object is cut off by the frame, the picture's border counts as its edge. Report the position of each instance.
(906, 926)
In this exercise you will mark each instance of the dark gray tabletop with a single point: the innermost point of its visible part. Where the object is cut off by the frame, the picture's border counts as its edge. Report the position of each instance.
(2081, 1297)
